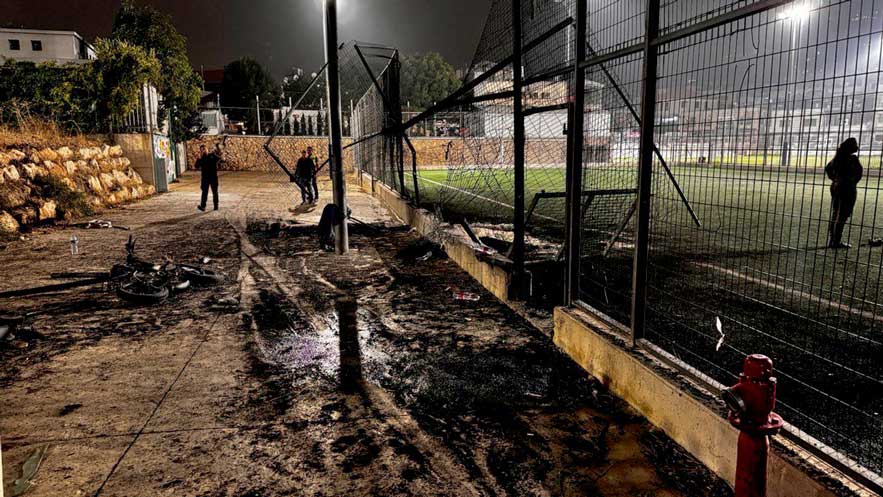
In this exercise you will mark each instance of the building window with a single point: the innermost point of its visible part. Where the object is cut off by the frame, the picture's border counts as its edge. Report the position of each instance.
(37, 45)
(14, 45)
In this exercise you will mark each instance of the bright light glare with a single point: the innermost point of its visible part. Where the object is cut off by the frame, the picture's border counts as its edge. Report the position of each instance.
(798, 11)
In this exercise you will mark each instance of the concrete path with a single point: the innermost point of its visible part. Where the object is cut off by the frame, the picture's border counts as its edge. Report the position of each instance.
(235, 390)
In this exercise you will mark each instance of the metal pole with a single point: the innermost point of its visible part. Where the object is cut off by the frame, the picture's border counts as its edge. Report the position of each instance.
(575, 164)
(518, 138)
(645, 173)
(341, 236)
(257, 99)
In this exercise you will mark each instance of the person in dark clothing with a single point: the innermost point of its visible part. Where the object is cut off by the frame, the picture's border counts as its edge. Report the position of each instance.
(208, 165)
(313, 181)
(845, 172)
(304, 173)
(331, 217)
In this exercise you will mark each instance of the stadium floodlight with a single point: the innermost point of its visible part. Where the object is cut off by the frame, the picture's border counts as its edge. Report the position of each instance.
(799, 11)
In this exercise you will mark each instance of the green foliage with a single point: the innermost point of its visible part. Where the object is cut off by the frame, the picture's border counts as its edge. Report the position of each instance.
(69, 202)
(426, 79)
(78, 97)
(119, 75)
(61, 94)
(179, 85)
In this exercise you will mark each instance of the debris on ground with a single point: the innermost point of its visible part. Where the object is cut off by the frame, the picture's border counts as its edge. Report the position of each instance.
(875, 242)
(98, 224)
(28, 471)
(467, 296)
(483, 249)
(223, 304)
(421, 250)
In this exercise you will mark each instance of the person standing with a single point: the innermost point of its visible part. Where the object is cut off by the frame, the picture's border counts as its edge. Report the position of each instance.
(208, 166)
(304, 176)
(315, 161)
(845, 172)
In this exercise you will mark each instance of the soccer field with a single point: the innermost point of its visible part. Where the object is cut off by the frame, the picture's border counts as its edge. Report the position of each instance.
(758, 263)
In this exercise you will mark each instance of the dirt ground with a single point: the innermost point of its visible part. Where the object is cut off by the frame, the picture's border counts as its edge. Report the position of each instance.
(237, 390)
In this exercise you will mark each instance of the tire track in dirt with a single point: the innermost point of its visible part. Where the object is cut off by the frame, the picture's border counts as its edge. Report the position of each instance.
(442, 463)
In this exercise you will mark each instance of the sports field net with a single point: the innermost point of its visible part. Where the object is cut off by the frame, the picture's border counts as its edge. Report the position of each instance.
(748, 113)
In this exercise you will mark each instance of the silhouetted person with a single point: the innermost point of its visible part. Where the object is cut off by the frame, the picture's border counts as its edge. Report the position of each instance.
(331, 216)
(314, 183)
(844, 171)
(208, 166)
(304, 175)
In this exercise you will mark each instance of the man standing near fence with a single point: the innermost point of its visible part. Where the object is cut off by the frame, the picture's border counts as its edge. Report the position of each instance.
(314, 181)
(845, 172)
(305, 176)
(208, 166)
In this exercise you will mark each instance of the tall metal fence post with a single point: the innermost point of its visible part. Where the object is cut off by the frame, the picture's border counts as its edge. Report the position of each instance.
(518, 277)
(574, 173)
(645, 173)
(341, 235)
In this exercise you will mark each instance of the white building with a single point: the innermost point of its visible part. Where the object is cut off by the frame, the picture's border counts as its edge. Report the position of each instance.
(35, 45)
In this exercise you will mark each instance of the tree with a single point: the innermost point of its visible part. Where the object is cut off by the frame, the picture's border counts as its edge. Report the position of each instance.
(179, 85)
(84, 97)
(243, 80)
(119, 74)
(426, 79)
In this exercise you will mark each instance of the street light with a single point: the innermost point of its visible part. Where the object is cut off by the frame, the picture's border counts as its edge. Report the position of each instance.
(799, 11)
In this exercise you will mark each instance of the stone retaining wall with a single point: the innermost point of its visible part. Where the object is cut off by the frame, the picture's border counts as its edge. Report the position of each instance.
(246, 153)
(31, 182)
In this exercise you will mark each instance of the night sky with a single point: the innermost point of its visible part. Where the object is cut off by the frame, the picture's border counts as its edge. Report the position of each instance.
(278, 33)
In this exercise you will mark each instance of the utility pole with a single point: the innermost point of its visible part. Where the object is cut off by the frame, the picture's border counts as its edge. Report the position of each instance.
(341, 237)
(257, 99)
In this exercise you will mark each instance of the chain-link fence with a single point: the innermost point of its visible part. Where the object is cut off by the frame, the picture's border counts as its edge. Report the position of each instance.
(720, 117)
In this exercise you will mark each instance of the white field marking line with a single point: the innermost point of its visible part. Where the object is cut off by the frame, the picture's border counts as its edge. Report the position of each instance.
(792, 291)
(478, 196)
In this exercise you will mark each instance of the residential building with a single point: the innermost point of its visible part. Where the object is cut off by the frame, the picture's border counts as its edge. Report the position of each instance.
(35, 45)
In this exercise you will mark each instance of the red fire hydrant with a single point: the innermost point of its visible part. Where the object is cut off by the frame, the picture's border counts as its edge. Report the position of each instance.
(751, 403)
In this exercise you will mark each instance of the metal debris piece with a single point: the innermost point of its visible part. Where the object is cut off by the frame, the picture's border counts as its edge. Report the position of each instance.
(467, 296)
(98, 224)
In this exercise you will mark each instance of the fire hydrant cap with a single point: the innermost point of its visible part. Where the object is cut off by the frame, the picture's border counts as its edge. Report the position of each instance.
(758, 366)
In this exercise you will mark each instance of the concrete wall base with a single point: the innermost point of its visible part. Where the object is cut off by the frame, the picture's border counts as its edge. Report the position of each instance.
(639, 380)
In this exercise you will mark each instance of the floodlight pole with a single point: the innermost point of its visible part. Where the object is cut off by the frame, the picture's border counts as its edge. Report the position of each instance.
(518, 275)
(341, 236)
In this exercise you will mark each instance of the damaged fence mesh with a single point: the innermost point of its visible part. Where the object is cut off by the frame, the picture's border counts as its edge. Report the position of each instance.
(752, 103)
